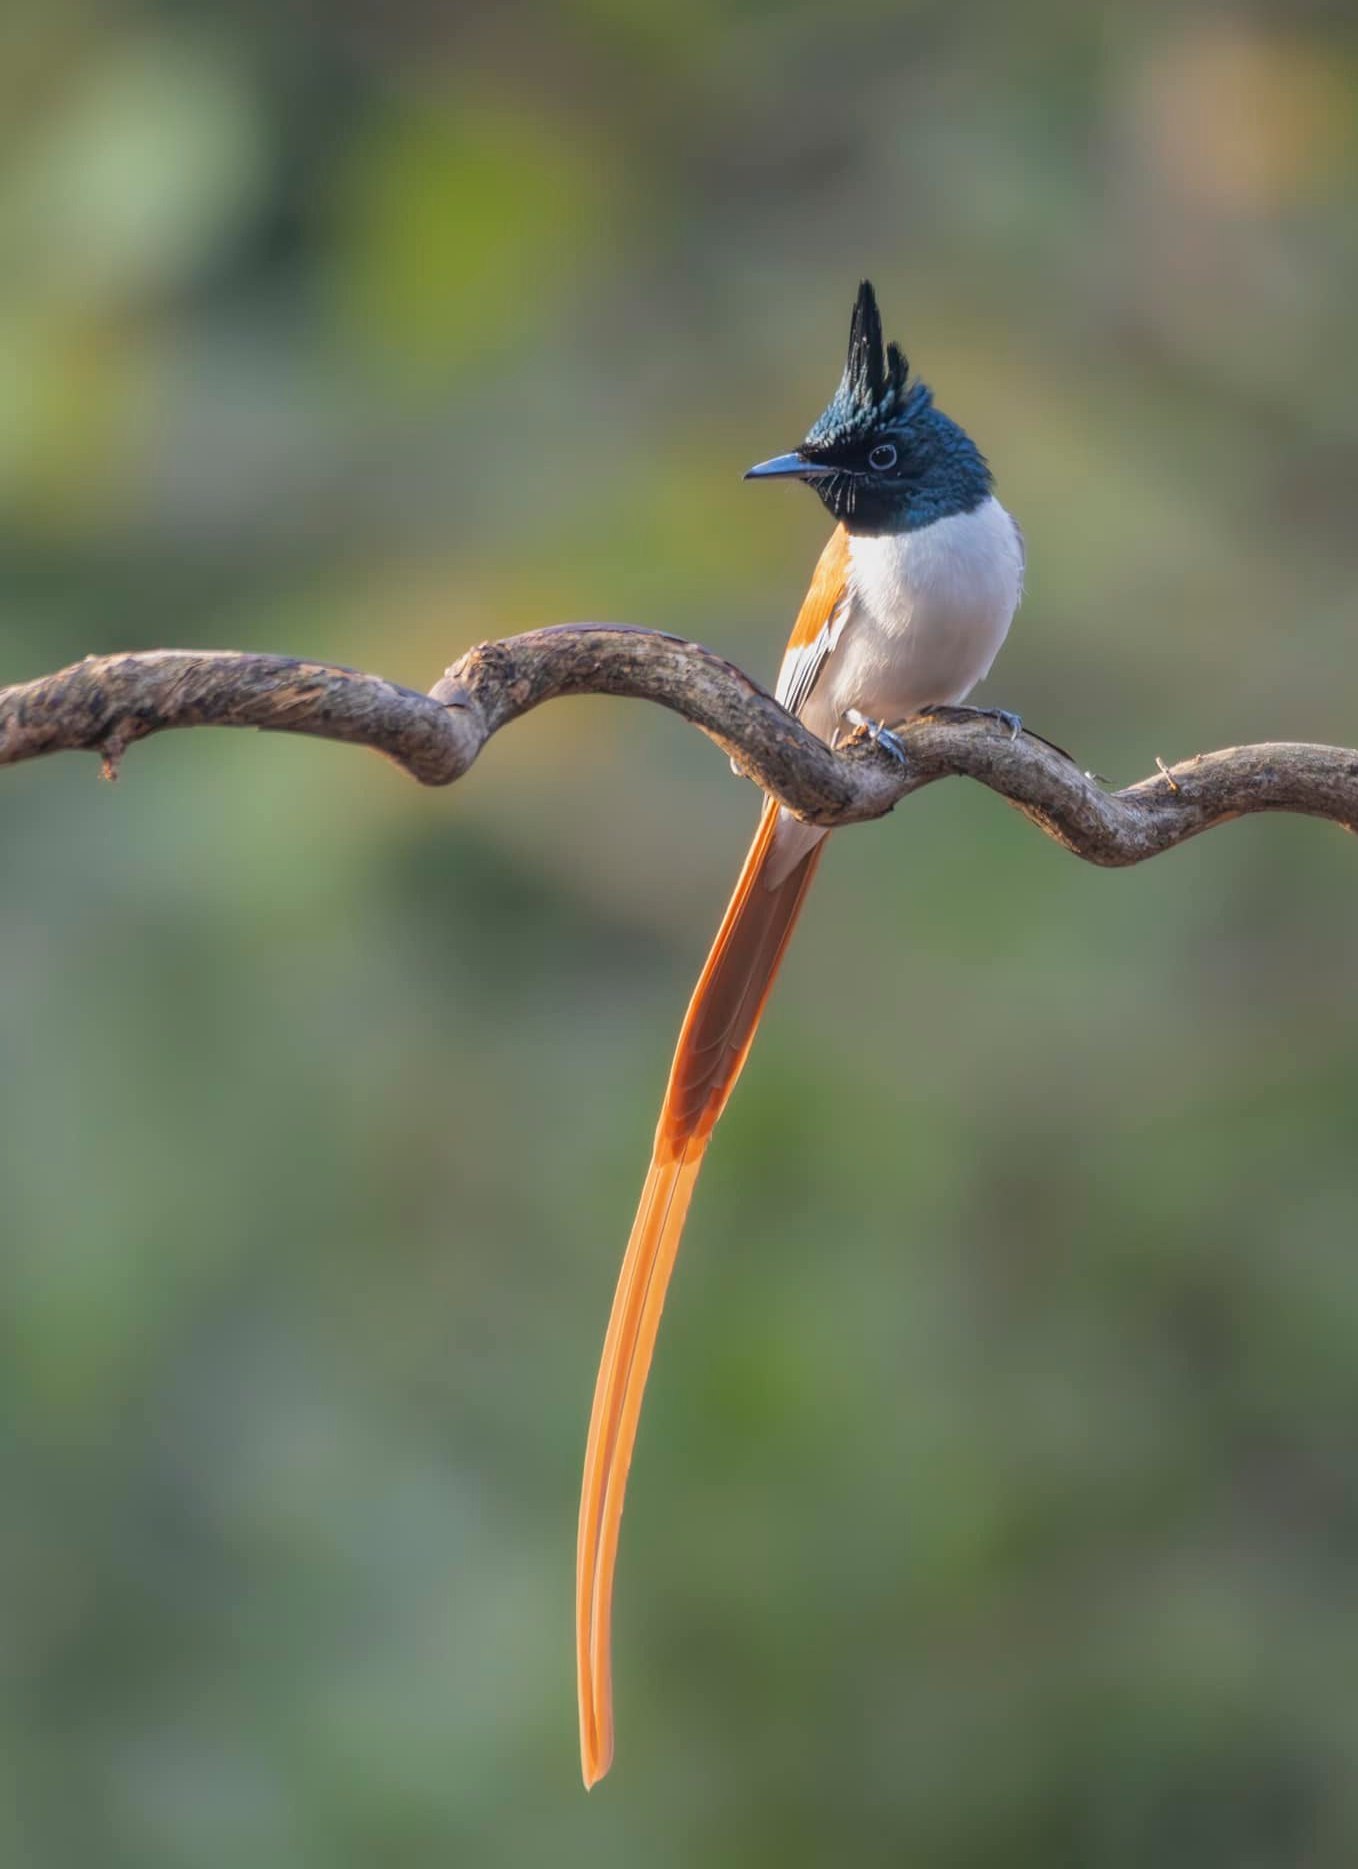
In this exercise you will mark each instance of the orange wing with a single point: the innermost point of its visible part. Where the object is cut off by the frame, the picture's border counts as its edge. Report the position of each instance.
(818, 624)
(714, 1042)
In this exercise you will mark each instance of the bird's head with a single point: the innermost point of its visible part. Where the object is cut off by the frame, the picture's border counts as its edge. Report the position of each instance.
(882, 457)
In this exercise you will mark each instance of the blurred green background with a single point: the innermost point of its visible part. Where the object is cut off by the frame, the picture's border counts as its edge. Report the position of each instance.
(997, 1496)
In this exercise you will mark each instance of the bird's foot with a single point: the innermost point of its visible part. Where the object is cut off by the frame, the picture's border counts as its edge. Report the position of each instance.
(878, 733)
(1014, 722)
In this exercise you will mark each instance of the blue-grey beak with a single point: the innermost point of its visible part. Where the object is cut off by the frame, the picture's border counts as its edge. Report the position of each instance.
(788, 466)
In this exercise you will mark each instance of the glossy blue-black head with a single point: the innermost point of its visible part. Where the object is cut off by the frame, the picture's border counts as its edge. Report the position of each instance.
(882, 457)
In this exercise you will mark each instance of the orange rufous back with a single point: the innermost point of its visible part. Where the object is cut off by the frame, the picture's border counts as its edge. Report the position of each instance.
(717, 1033)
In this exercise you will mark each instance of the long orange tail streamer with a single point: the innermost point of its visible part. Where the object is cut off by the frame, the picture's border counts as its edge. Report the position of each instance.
(713, 1045)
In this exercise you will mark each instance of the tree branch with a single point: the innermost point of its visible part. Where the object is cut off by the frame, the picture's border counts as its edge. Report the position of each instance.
(105, 703)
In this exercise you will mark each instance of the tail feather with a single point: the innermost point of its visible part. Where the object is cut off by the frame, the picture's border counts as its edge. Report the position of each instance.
(714, 1042)
(617, 1403)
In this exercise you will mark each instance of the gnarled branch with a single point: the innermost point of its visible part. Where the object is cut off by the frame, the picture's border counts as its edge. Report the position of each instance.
(105, 703)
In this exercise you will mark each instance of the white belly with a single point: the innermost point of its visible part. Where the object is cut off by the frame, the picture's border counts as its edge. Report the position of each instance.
(926, 614)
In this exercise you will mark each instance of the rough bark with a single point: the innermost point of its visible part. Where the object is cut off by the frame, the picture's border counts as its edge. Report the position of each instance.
(106, 703)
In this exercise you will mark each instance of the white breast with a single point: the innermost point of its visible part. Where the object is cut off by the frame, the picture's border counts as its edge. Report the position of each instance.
(925, 615)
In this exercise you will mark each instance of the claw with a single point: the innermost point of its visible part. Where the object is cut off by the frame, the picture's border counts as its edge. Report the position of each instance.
(885, 737)
(879, 734)
(1014, 722)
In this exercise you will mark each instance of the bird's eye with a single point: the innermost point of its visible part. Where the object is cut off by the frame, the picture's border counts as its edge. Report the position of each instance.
(883, 458)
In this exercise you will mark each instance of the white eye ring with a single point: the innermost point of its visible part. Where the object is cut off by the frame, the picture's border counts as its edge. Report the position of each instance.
(882, 458)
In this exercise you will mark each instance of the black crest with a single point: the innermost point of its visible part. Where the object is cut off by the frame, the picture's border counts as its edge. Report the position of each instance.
(871, 389)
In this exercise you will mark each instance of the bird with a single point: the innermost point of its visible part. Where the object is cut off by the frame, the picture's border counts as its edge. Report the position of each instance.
(907, 608)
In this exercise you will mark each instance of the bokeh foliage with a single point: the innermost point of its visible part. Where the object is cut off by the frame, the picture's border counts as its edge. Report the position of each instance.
(997, 1500)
